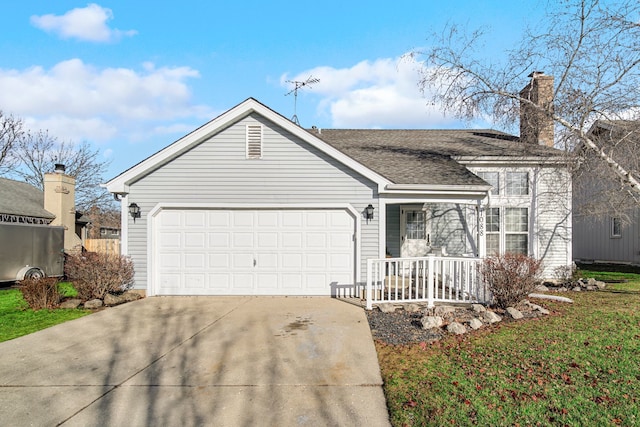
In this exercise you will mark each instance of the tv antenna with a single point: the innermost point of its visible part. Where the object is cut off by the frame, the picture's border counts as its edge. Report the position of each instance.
(297, 86)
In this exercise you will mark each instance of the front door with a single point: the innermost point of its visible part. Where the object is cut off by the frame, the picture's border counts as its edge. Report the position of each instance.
(414, 232)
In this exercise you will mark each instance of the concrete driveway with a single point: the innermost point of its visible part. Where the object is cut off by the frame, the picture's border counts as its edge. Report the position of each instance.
(235, 361)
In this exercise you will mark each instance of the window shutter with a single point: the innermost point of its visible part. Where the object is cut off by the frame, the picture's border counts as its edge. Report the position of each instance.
(254, 141)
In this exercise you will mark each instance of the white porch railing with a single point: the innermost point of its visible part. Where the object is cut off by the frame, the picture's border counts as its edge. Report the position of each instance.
(427, 279)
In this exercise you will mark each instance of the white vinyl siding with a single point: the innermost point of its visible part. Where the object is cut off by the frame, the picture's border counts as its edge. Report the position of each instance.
(216, 171)
(545, 192)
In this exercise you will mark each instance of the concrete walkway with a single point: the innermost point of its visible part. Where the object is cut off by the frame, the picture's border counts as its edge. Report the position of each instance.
(197, 361)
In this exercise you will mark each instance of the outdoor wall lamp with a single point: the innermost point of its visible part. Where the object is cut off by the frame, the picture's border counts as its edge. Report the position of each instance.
(368, 211)
(134, 211)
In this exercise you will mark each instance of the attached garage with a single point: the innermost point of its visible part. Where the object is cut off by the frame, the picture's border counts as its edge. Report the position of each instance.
(217, 251)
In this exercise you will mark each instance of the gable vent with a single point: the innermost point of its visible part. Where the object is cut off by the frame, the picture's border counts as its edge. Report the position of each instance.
(254, 141)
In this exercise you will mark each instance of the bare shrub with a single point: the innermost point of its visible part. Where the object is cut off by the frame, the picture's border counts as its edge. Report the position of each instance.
(565, 273)
(96, 274)
(41, 293)
(511, 277)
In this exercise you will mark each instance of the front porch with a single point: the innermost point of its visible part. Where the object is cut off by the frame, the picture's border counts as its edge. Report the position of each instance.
(430, 279)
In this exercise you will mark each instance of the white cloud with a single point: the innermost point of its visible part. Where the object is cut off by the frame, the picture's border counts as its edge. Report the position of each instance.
(87, 24)
(77, 101)
(374, 94)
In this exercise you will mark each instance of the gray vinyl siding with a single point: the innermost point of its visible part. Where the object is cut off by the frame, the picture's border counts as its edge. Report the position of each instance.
(452, 228)
(290, 172)
(592, 240)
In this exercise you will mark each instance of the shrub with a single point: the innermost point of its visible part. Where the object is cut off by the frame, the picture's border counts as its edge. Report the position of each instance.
(565, 273)
(41, 293)
(511, 277)
(96, 274)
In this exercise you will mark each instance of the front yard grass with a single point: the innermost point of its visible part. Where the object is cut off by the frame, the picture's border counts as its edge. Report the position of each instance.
(17, 319)
(578, 366)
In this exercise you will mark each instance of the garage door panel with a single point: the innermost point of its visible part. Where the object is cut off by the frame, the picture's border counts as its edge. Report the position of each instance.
(194, 240)
(242, 240)
(194, 260)
(241, 261)
(261, 252)
(195, 219)
(170, 240)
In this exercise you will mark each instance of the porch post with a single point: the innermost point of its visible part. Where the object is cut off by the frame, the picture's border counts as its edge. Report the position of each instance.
(482, 247)
(430, 281)
(369, 283)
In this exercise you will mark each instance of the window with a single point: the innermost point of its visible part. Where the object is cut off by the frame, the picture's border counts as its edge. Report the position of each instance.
(415, 225)
(517, 183)
(492, 178)
(254, 141)
(507, 230)
(493, 231)
(516, 230)
(616, 227)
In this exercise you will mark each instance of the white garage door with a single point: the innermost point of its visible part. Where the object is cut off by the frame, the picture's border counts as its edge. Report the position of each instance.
(253, 252)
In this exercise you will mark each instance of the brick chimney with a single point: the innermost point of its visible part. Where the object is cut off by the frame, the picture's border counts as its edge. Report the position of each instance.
(536, 127)
(59, 199)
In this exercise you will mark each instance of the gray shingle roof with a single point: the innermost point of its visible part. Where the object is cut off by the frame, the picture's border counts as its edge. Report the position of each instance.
(428, 156)
(20, 198)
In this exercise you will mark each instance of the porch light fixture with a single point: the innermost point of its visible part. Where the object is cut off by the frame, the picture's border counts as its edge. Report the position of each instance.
(368, 211)
(134, 211)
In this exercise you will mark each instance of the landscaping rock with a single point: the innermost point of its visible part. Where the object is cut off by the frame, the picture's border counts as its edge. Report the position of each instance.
(576, 289)
(551, 297)
(478, 308)
(537, 308)
(456, 328)
(514, 313)
(429, 322)
(93, 304)
(475, 323)
(71, 303)
(412, 308)
(443, 310)
(542, 288)
(387, 307)
(600, 285)
(111, 300)
(490, 317)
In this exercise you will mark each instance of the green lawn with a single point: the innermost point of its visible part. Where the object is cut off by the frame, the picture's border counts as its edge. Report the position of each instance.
(17, 319)
(578, 366)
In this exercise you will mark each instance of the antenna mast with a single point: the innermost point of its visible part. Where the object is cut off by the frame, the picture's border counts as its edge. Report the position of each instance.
(299, 85)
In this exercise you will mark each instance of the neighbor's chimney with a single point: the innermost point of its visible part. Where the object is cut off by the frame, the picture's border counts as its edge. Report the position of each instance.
(59, 199)
(537, 127)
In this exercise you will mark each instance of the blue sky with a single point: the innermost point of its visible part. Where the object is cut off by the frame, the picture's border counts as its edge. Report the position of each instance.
(132, 77)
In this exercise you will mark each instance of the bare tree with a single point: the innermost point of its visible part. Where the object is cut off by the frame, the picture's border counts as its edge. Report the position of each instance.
(592, 49)
(37, 153)
(10, 132)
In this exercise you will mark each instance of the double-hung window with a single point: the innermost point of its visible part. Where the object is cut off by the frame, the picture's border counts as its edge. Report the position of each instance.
(507, 230)
(517, 183)
(516, 228)
(492, 178)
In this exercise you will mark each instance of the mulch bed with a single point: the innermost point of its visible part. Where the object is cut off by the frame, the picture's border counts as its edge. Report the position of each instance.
(399, 327)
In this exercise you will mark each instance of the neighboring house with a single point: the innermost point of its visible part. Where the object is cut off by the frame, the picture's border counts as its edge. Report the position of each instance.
(250, 203)
(601, 236)
(105, 224)
(22, 203)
